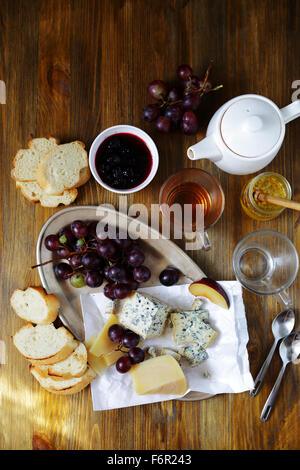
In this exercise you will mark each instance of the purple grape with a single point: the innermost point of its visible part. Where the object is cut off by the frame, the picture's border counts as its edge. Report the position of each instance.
(207, 86)
(66, 235)
(109, 290)
(174, 95)
(130, 339)
(163, 124)
(157, 89)
(117, 273)
(63, 270)
(136, 355)
(93, 279)
(174, 113)
(75, 261)
(92, 228)
(189, 123)
(191, 101)
(116, 333)
(151, 112)
(52, 242)
(123, 364)
(184, 72)
(122, 291)
(141, 274)
(79, 229)
(169, 276)
(92, 261)
(135, 258)
(63, 251)
(108, 249)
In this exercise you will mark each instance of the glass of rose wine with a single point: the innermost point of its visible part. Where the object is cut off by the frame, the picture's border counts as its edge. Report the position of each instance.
(192, 200)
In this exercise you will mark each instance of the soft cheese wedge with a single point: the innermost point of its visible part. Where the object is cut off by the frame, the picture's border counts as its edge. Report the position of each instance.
(160, 374)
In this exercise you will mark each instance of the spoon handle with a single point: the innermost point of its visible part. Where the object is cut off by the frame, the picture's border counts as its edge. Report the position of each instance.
(261, 375)
(269, 405)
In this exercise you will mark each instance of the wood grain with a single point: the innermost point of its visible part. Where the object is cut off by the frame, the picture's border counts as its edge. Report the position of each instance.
(75, 67)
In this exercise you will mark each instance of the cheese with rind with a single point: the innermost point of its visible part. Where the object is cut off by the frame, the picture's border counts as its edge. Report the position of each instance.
(161, 375)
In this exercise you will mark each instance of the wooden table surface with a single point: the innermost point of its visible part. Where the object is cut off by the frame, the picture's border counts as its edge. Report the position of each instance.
(73, 68)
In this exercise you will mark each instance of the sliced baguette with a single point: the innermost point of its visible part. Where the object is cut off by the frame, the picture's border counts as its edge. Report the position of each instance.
(44, 344)
(63, 167)
(74, 366)
(34, 305)
(34, 193)
(64, 387)
(26, 161)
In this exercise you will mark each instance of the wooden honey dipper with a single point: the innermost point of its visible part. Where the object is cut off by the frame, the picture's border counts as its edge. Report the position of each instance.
(278, 201)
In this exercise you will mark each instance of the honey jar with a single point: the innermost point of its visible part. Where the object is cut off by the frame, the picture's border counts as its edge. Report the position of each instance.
(268, 183)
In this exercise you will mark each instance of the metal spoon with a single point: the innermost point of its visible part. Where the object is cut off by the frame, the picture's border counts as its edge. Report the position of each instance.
(289, 351)
(282, 325)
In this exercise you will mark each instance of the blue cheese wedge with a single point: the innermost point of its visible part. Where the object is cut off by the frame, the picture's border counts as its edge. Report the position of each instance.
(188, 327)
(145, 315)
(195, 354)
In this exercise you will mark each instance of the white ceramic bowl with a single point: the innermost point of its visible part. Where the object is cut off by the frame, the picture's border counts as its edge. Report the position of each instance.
(128, 130)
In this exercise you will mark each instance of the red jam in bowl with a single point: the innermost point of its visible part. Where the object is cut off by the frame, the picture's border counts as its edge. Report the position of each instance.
(123, 161)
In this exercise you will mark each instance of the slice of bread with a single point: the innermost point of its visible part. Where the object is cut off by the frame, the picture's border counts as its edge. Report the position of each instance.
(34, 193)
(26, 161)
(63, 167)
(35, 305)
(64, 387)
(74, 366)
(44, 344)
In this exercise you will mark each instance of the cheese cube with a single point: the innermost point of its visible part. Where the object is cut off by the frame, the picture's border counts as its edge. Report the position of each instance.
(188, 327)
(160, 374)
(195, 354)
(102, 343)
(145, 315)
(112, 357)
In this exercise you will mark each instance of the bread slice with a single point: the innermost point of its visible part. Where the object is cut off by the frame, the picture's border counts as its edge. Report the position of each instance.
(74, 366)
(44, 344)
(26, 161)
(34, 193)
(63, 167)
(64, 387)
(34, 305)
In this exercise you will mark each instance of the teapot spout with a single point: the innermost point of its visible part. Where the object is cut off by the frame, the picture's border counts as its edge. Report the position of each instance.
(206, 148)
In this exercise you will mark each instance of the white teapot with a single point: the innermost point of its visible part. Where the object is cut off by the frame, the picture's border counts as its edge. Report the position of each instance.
(245, 134)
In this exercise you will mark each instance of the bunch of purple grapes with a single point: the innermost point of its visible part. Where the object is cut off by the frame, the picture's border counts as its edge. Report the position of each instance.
(176, 108)
(127, 339)
(88, 258)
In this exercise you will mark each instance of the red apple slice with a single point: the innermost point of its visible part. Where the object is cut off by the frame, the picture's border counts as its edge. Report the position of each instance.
(212, 290)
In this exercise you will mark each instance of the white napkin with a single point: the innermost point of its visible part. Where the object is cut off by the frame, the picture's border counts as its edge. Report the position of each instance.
(225, 371)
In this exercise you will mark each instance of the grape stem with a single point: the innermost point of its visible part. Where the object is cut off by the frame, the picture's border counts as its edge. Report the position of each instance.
(197, 90)
(63, 257)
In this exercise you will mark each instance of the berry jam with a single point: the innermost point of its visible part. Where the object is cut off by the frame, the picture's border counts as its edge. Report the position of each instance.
(123, 161)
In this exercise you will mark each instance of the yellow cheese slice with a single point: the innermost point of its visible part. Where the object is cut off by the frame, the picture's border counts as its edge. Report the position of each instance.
(97, 363)
(102, 344)
(112, 357)
(161, 374)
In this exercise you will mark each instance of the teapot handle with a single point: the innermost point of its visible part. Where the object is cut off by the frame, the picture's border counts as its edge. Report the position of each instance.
(291, 111)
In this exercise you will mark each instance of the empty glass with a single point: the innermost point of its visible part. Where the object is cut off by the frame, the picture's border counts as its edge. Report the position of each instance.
(266, 262)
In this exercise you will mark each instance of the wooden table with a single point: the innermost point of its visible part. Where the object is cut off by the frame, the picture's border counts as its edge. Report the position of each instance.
(73, 68)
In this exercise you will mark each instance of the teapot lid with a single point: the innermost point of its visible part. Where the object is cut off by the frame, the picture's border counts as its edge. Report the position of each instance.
(251, 127)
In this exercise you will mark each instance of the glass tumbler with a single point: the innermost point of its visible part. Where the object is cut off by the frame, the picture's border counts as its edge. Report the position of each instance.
(266, 263)
(196, 193)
